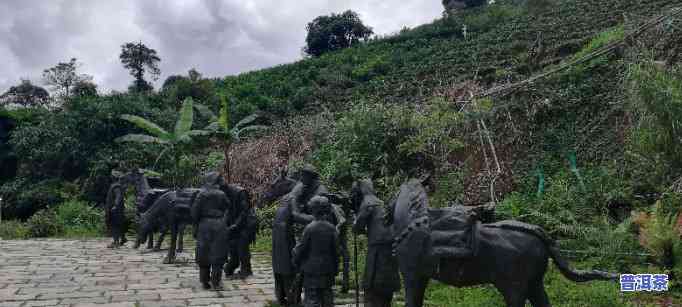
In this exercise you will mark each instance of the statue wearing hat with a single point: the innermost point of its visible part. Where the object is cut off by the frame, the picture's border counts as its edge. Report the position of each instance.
(209, 216)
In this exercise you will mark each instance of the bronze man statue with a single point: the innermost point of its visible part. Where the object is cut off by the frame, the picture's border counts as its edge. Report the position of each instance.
(317, 255)
(242, 230)
(115, 212)
(299, 197)
(381, 276)
(209, 216)
(283, 242)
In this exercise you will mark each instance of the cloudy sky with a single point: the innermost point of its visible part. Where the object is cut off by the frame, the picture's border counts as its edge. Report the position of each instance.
(218, 37)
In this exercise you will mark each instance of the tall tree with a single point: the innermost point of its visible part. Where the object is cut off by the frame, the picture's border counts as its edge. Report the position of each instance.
(334, 32)
(138, 58)
(25, 94)
(63, 76)
(177, 88)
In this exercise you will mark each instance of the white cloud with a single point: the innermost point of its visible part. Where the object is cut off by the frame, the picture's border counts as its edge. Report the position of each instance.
(216, 37)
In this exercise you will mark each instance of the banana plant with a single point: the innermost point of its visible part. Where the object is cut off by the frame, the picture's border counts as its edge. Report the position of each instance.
(176, 141)
(225, 132)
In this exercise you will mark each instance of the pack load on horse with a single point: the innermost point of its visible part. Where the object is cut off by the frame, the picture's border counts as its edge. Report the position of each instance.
(449, 245)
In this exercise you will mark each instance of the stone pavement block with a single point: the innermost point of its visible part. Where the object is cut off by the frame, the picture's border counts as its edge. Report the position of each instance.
(88, 288)
(135, 297)
(84, 300)
(73, 294)
(36, 291)
(11, 304)
(163, 303)
(218, 300)
(129, 304)
(41, 303)
(146, 286)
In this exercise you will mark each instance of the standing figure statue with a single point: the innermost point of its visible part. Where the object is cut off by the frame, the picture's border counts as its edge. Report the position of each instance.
(283, 242)
(209, 216)
(381, 276)
(299, 198)
(317, 255)
(243, 227)
(115, 218)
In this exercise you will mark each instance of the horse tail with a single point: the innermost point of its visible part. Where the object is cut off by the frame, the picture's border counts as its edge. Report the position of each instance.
(577, 275)
(559, 261)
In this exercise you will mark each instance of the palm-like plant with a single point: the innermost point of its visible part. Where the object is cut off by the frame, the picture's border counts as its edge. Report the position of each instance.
(176, 141)
(228, 134)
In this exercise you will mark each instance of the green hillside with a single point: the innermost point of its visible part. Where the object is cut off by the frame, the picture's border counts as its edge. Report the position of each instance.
(592, 152)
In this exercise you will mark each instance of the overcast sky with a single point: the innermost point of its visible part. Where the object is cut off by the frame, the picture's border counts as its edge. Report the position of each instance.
(217, 37)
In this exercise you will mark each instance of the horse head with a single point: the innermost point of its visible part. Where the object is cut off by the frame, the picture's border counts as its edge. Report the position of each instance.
(278, 187)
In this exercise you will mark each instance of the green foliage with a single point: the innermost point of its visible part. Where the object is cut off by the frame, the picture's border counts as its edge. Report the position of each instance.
(266, 216)
(138, 59)
(79, 219)
(25, 94)
(178, 88)
(435, 128)
(178, 143)
(371, 69)
(44, 224)
(23, 197)
(335, 32)
(13, 230)
(578, 72)
(656, 101)
(661, 235)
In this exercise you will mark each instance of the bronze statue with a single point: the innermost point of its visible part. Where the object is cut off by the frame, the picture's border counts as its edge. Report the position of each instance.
(283, 242)
(209, 217)
(170, 211)
(511, 255)
(381, 276)
(243, 227)
(115, 218)
(317, 255)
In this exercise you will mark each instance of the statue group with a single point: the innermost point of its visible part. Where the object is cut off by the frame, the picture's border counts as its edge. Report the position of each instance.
(405, 237)
(223, 221)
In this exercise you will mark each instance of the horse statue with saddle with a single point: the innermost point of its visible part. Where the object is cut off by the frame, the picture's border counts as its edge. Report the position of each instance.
(452, 246)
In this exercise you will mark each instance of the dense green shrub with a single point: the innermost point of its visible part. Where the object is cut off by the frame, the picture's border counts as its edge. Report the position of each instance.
(11, 230)
(265, 216)
(79, 218)
(44, 224)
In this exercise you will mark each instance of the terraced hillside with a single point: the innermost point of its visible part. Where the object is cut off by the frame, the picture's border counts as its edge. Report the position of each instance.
(412, 65)
(580, 111)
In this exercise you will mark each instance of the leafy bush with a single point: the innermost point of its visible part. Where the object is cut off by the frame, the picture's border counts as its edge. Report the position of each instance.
(371, 69)
(660, 235)
(44, 224)
(11, 230)
(80, 219)
(657, 103)
(265, 217)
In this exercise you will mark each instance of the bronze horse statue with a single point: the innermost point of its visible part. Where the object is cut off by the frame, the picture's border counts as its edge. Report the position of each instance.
(511, 255)
(145, 197)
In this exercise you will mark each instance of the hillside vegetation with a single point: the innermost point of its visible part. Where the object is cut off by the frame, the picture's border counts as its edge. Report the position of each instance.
(592, 153)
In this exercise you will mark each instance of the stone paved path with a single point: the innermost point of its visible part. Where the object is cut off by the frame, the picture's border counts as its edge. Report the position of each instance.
(79, 273)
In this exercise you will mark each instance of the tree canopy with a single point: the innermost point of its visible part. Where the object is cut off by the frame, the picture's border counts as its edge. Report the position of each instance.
(335, 32)
(25, 94)
(63, 77)
(138, 59)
